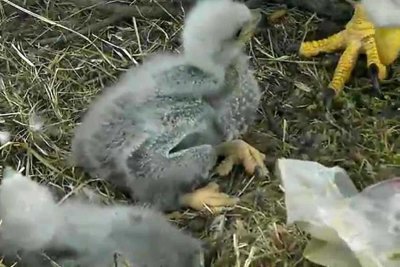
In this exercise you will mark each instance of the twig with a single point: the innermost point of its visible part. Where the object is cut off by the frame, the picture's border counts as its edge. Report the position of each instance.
(138, 10)
(46, 20)
(91, 28)
(120, 12)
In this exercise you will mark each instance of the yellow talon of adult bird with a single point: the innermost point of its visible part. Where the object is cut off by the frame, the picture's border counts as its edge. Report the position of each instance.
(381, 45)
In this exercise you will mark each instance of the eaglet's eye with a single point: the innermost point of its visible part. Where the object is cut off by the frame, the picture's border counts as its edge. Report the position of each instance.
(237, 34)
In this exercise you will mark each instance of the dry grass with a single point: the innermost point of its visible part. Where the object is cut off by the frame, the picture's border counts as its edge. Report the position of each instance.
(44, 91)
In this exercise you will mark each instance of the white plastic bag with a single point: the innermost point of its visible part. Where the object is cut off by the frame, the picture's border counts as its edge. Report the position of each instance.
(347, 228)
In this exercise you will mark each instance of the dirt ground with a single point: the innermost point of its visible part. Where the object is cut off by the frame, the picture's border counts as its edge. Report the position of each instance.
(45, 89)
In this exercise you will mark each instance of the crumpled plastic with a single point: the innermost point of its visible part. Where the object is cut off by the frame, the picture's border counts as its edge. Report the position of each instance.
(348, 228)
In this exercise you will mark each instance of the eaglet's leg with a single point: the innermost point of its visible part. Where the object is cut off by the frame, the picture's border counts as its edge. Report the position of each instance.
(239, 152)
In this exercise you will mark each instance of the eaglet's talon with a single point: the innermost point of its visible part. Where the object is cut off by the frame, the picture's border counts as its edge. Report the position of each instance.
(360, 36)
(239, 152)
(210, 198)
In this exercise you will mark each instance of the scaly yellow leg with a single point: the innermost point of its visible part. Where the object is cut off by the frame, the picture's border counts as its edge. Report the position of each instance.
(208, 197)
(371, 51)
(345, 66)
(328, 45)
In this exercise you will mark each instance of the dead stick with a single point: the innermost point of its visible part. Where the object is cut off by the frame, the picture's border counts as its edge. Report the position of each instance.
(91, 28)
(118, 12)
(153, 11)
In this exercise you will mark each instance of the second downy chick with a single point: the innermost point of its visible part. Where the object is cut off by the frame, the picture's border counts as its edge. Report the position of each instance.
(35, 231)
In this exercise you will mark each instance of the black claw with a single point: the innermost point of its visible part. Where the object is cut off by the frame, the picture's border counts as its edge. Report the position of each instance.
(390, 72)
(258, 172)
(293, 47)
(327, 97)
(263, 23)
(210, 251)
(373, 71)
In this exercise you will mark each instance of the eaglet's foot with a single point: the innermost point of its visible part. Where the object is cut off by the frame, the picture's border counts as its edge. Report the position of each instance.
(240, 152)
(209, 198)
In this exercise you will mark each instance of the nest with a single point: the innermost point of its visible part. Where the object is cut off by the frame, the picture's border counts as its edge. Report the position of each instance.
(55, 56)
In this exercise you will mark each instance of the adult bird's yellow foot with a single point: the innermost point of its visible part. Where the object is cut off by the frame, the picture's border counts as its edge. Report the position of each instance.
(380, 45)
(239, 152)
(208, 198)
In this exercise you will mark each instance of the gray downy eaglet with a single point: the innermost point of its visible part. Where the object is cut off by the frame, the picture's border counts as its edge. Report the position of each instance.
(159, 130)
